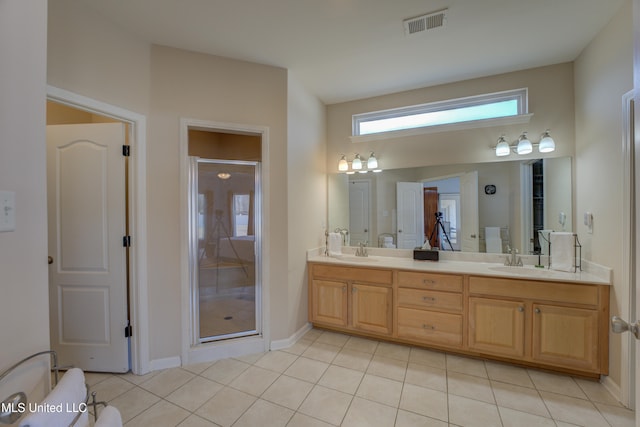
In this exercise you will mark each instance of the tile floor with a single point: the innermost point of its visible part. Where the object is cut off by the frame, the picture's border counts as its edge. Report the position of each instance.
(330, 379)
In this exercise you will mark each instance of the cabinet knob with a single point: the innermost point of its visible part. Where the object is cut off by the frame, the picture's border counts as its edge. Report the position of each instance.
(432, 299)
(353, 289)
(521, 309)
(537, 310)
(344, 288)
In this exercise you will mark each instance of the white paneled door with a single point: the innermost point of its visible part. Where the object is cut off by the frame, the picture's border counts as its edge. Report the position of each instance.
(469, 228)
(410, 208)
(359, 213)
(86, 188)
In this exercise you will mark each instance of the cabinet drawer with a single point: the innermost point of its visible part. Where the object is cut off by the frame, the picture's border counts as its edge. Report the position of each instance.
(438, 282)
(539, 291)
(366, 275)
(417, 298)
(430, 326)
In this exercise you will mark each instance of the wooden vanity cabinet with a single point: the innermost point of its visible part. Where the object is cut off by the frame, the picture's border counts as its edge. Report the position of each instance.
(351, 298)
(560, 325)
(430, 308)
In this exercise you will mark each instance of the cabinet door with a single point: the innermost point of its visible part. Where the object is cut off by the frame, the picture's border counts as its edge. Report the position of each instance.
(329, 302)
(496, 326)
(371, 308)
(565, 336)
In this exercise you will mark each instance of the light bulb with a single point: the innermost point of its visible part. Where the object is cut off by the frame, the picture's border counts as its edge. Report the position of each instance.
(357, 163)
(524, 145)
(372, 163)
(343, 166)
(502, 148)
(547, 144)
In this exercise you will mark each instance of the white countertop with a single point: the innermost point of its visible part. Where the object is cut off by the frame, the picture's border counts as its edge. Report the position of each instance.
(461, 264)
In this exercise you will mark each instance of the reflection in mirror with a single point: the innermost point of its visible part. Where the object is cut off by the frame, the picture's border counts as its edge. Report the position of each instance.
(485, 207)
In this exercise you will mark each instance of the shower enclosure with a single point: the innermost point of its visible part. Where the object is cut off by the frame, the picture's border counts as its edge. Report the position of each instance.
(224, 235)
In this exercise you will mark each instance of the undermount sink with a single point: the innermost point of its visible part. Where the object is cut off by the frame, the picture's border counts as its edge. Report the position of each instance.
(353, 258)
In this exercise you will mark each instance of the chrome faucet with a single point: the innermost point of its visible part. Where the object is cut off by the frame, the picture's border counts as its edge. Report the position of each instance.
(514, 260)
(362, 249)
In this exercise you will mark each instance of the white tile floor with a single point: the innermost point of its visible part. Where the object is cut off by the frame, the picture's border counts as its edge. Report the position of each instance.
(330, 379)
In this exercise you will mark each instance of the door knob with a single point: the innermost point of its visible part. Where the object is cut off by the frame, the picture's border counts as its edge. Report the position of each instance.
(473, 236)
(619, 326)
(50, 259)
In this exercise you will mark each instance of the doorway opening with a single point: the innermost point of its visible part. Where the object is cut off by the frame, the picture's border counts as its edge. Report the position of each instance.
(224, 293)
(130, 324)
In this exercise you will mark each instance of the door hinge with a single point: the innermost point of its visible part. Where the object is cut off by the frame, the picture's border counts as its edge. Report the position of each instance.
(126, 150)
(126, 241)
(128, 331)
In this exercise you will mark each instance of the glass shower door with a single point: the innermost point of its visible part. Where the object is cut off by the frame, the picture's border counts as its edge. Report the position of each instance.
(225, 283)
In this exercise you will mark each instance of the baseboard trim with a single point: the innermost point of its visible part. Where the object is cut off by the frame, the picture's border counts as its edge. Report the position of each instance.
(288, 342)
(165, 363)
(614, 389)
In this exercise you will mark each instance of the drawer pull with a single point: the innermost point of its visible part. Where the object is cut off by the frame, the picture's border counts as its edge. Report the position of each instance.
(431, 327)
(429, 299)
(428, 281)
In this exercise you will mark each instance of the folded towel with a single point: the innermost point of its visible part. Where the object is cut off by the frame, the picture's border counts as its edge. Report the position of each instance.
(493, 245)
(61, 405)
(335, 244)
(491, 233)
(109, 417)
(562, 251)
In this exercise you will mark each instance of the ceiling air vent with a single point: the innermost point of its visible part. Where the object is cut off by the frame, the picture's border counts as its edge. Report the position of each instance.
(420, 24)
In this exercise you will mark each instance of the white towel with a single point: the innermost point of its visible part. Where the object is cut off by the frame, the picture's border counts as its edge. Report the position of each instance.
(562, 251)
(109, 417)
(335, 244)
(492, 240)
(57, 408)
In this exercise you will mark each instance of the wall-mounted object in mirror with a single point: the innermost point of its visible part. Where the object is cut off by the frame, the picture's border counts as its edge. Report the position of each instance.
(490, 189)
(467, 210)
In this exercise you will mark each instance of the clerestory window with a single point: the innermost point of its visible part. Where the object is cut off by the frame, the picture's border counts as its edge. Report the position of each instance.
(498, 105)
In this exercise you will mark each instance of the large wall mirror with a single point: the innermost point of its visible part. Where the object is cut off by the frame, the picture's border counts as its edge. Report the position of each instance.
(478, 207)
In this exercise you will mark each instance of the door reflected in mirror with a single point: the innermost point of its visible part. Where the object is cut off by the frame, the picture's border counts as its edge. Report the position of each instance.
(512, 196)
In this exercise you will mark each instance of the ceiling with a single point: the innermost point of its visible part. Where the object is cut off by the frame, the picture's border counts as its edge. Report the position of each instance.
(350, 49)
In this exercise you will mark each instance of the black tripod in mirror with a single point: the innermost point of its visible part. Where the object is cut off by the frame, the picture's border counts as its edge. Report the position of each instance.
(438, 223)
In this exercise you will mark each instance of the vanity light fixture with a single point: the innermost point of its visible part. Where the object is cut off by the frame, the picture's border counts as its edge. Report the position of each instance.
(547, 144)
(358, 165)
(372, 163)
(524, 145)
(502, 148)
(224, 175)
(343, 166)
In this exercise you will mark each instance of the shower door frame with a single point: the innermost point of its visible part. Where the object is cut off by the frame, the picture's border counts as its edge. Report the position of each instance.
(192, 350)
(194, 265)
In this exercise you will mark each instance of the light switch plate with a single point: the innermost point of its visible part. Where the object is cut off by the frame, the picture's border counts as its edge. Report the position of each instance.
(7, 211)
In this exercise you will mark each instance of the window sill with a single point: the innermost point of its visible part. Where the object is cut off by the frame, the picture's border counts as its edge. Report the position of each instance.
(501, 121)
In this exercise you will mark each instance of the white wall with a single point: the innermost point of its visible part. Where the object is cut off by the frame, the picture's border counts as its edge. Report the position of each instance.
(550, 101)
(24, 305)
(603, 73)
(95, 58)
(204, 87)
(307, 193)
